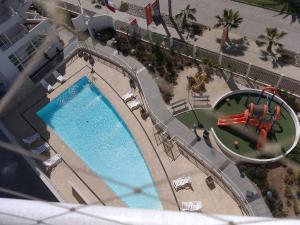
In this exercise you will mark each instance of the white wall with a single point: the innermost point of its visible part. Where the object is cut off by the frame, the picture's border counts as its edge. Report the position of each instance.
(18, 6)
(11, 22)
(80, 23)
(9, 71)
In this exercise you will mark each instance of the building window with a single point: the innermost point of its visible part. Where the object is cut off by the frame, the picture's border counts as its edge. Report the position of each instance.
(4, 42)
(14, 60)
(22, 56)
(38, 40)
(20, 67)
(25, 51)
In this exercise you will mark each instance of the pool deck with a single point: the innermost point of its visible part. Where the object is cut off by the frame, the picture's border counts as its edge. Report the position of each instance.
(23, 122)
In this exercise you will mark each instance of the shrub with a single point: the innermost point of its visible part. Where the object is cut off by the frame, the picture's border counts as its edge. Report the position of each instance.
(196, 29)
(288, 193)
(106, 34)
(296, 207)
(122, 45)
(123, 7)
(292, 101)
(290, 171)
(289, 179)
(276, 208)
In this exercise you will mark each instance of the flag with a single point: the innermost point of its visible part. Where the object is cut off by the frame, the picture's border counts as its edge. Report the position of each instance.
(133, 22)
(111, 5)
(224, 37)
(148, 11)
(156, 8)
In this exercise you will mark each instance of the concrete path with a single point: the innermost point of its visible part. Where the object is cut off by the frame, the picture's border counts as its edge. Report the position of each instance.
(255, 19)
(213, 159)
(251, 54)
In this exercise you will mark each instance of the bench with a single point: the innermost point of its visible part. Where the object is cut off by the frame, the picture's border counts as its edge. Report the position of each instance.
(178, 105)
(201, 98)
(198, 99)
(177, 102)
(182, 104)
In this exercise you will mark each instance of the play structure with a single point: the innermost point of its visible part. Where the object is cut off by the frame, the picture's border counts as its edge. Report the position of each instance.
(255, 126)
(249, 125)
(256, 115)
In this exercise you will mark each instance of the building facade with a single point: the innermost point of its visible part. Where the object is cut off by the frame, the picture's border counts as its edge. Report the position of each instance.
(22, 34)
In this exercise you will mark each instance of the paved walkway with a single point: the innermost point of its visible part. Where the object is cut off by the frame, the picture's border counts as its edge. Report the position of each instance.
(214, 159)
(255, 19)
(251, 54)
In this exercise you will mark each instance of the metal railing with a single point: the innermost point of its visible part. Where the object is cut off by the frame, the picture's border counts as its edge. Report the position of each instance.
(207, 167)
(244, 69)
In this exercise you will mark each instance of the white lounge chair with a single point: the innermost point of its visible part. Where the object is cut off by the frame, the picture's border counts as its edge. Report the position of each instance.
(58, 76)
(52, 162)
(194, 206)
(42, 148)
(46, 85)
(134, 104)
(128, 96)
(182, 182)
(31, 139)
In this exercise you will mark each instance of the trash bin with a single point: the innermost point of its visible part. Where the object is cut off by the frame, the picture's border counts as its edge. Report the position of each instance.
(210, 182)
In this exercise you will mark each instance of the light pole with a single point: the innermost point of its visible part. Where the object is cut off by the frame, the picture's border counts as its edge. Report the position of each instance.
(189, 78)
(170, 8)
(92, 63)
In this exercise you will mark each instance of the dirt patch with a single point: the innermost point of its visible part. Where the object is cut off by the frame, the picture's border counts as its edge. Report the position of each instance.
(284, 181)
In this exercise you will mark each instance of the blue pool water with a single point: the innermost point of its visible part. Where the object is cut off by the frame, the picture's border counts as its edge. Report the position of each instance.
(87, 122)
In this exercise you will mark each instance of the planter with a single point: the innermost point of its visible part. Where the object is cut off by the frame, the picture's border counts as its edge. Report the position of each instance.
(144, 114)
(80, 53)
(85, 57)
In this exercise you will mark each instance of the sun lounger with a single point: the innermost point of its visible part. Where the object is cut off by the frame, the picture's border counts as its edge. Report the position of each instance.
(46, 85)
(194, 206)
(39, 150)
(52, 162)
(58, 76)
(31, 139)
(128, 96)
(182, 182)
(134, 104)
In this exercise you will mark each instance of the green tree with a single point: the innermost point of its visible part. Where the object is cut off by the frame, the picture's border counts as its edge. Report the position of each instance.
(229, 19)
(270, 39)
(186, 15)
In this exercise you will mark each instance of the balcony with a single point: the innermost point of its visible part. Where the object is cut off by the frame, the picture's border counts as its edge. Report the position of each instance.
(5, 13)
(11, 36)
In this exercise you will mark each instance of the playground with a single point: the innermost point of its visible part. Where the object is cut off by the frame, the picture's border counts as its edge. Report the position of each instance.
(249, 125)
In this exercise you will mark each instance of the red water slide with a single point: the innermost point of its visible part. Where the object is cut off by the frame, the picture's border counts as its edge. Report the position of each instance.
(234, 119)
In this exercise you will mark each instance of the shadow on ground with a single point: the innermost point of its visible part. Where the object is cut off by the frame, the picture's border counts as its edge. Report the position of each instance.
(237, 47)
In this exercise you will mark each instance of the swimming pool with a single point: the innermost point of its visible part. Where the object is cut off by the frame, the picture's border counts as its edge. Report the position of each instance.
(87, 122)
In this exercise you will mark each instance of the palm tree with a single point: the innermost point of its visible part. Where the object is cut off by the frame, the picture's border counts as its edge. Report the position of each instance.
(270, 39)
(229, 20)
(170, 8)
(185, 15)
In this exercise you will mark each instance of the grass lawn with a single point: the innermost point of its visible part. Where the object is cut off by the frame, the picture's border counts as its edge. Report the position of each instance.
(283, 133)
(270, 4)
